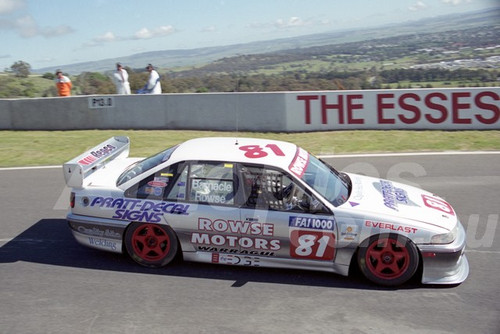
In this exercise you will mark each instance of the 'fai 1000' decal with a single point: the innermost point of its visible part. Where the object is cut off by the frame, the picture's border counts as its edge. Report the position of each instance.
(312, 223)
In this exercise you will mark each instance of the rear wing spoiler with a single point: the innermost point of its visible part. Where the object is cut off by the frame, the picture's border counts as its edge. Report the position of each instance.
(77, 169)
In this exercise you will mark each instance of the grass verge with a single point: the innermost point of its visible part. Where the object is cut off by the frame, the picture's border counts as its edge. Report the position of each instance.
(38, 148)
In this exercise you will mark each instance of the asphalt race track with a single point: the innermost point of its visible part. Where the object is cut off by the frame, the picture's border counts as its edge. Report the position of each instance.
(50, 284)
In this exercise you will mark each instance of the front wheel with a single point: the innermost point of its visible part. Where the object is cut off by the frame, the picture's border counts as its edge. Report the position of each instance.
(151, 245)
(388, 259)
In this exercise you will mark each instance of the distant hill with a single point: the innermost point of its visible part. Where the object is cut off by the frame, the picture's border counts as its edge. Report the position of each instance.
(199, 56)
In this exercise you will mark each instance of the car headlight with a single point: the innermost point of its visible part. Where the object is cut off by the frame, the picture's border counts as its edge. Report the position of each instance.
(445, 238)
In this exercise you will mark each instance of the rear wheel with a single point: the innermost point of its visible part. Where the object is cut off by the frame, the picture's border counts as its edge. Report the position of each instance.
(388, 259)
(151, 245)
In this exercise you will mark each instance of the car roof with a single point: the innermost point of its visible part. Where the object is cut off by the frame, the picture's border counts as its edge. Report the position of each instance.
(233, 149)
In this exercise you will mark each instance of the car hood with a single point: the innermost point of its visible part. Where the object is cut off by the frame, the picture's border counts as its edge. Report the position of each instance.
(378, 197)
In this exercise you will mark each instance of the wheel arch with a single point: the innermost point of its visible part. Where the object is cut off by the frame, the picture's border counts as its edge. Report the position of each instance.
(412, 252)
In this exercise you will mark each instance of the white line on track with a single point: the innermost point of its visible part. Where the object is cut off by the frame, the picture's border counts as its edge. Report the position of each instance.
(409, 154)
(31, 167)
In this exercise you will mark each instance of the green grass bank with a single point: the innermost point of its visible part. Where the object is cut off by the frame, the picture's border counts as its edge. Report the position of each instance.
(40, 148)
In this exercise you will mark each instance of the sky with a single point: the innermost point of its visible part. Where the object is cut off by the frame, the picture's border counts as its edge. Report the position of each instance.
(47, 33)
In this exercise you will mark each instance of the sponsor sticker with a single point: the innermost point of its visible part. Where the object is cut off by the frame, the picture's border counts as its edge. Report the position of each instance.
(438, 204)
(327, 224)
(300, 162)
(390, 226)
(139, 210)
(312, 245)
(392, 196)
(349, 232)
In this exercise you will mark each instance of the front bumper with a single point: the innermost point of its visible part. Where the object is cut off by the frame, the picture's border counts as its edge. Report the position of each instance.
(445, 264)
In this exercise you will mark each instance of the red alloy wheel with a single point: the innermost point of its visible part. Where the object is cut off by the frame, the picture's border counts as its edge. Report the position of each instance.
(151, 242)
(388, 259)
(151, 245)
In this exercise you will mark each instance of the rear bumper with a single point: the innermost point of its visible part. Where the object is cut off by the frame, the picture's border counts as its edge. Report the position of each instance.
(98, 233)
(445, 264)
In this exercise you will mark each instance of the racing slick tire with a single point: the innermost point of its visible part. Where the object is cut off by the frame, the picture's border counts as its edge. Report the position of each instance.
(151, 245)
(388, 259)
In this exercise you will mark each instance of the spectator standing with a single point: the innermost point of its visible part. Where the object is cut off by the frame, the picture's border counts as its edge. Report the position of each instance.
(63, 84)
(153, 86)
(121, 80)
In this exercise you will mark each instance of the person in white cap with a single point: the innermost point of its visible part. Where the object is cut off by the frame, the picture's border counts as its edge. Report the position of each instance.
(120, 77)
(153, 86)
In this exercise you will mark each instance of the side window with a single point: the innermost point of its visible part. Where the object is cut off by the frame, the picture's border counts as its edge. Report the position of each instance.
(154, 186)
(270, 189)
(211, 183)
(178, 189)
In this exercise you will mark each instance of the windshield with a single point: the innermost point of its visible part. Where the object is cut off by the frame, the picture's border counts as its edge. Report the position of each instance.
(144, 165)
(323, 178)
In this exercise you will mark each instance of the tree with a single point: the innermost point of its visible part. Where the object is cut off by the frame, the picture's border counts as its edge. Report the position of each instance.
(21, 69)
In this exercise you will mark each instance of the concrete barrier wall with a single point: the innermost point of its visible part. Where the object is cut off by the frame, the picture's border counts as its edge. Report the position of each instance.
(438, 109)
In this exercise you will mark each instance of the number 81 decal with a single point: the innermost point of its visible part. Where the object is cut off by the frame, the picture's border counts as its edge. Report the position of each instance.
(312, 245)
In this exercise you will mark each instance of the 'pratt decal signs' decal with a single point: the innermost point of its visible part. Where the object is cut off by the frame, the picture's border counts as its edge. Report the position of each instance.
(392, 195)
(139, 210)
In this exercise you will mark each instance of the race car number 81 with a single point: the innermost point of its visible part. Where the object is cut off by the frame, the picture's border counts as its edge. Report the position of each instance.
(256, 151)
(312, 245)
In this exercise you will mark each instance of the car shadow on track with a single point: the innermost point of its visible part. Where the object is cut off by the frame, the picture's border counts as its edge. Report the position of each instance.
(50, 241)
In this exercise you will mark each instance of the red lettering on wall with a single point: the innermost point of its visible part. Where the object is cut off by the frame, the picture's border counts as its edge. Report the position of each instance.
(325, 106)
(381, 106)
(428, 109)
(351, 107)
(307, 99)
(495, 109)
(438, 107)
(456, 106)
(405, 106)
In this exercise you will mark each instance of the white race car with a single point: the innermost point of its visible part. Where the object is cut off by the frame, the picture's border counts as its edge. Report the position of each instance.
(258, 202)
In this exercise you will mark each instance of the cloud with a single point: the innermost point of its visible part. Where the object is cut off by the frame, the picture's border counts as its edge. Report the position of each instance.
(9, 6)
(291, 22)
(419, 5)
(106, 38)
(145, 33)
(456, 2)
(27, 27)
(5, 56)
(209, 29)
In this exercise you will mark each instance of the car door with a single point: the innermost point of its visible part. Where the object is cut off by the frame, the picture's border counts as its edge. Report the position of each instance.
(208, 188)
(287, 220)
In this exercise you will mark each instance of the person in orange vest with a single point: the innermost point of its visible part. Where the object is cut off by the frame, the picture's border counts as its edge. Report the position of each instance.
(63, 84)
